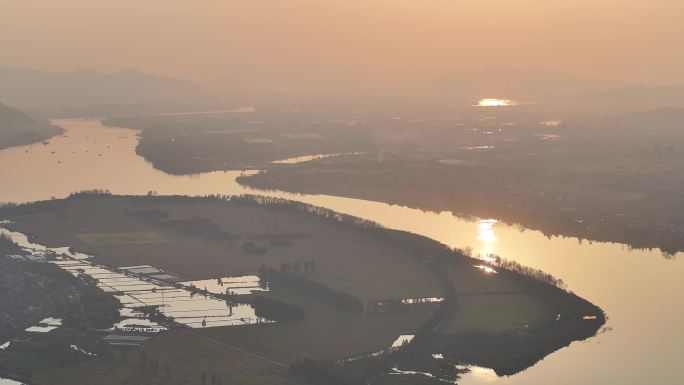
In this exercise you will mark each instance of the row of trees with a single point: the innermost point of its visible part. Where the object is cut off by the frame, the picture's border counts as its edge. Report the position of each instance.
(531, 272)
(277, 310)
(295, 267)
(305, 208)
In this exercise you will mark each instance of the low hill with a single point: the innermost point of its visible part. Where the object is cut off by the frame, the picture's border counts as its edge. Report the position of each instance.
(88, 93)
(17, 128)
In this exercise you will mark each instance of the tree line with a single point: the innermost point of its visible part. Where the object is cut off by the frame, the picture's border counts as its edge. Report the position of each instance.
(275, 310)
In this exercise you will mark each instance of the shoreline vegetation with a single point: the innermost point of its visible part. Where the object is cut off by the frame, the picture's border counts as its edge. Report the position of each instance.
(327, 327)
(204, 143)
(464, 192)
(612, 178)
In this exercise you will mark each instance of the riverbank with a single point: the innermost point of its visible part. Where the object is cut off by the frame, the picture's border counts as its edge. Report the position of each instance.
(555, 207)
(194, 143)
(612, 179)
(351, 255)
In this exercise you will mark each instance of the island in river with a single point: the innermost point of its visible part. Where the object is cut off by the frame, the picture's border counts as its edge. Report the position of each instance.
(340, 300)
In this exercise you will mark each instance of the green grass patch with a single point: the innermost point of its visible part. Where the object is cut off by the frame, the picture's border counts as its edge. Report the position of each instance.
(497, 313)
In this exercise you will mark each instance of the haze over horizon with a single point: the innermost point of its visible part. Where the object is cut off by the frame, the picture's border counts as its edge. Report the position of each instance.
(376, 46)
(341, 192)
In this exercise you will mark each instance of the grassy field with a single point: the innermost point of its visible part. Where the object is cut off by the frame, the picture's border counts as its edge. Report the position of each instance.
(371, 265)
(492, 302)
(347, 260)
(140, 237)
(496, 313)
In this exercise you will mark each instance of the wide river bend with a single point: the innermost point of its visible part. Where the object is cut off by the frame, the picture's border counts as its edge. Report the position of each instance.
(641, 291)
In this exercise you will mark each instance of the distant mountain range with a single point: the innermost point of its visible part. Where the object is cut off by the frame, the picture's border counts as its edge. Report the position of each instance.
(88, 93)
(17, 128)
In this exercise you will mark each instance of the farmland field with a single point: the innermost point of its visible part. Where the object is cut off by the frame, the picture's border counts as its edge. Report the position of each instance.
(357, 286)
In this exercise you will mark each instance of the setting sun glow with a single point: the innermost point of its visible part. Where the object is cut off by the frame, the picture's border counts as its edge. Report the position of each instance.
(495, 103)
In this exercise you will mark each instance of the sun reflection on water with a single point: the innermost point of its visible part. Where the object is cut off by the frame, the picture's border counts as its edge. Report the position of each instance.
(492, 102)
(486, 269)
(486, 235)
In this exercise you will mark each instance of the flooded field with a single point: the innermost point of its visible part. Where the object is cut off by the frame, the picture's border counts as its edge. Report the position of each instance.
(134, 290)
(228, 285)
(47, 325)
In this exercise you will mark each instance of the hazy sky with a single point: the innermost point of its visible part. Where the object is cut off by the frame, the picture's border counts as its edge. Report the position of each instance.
(321, 44)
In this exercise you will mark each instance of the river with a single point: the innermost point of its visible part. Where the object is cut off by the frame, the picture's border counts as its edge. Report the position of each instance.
(640, 290)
